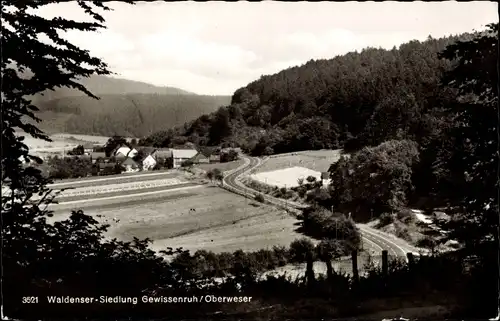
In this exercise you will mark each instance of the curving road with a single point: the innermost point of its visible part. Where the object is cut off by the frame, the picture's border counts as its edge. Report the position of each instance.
(373, 239)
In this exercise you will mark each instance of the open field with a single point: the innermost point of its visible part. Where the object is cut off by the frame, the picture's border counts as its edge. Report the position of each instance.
(287, 177)
(113, 179)
(61, 141)
(317, 160)
(122, 187)
(221, 221)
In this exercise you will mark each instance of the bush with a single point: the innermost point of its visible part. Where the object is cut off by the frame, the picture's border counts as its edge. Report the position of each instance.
(403, 232)
(302, 190)
(386, 219)
(299, 250)
(406, 216)
(260, 198)
(229, 156)
(320, 223)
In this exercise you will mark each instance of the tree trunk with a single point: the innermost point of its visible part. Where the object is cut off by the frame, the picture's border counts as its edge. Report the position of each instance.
(354, 259)
(310, 270)
(329, 271)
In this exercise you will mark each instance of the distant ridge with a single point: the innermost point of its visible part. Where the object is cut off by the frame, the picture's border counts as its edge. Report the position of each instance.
(126, 107)
(105, 85)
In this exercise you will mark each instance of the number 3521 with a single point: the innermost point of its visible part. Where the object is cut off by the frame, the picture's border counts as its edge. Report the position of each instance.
(30, 299)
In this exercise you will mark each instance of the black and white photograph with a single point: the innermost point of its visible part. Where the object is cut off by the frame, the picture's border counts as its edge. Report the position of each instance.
(243, 160)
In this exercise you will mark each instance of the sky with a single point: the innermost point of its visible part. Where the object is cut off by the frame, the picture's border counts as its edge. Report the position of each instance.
(216, 48)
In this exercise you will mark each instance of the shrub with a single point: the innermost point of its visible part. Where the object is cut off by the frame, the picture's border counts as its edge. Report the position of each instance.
(301, 190)
(406, 216)
(311, 179)
(299, 250)
(403, 232)
(386, 219)
(259, 198)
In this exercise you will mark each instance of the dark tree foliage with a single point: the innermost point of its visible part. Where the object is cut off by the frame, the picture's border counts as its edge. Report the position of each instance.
(78, 150)
(69, 167)
(374, 180)
(229, 156)
(113, 143)
(320, 224)
(69, 257)
(299, 249)
(473, 158)
(221, 127)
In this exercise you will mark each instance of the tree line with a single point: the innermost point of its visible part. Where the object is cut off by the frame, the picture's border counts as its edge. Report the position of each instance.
(349, 101)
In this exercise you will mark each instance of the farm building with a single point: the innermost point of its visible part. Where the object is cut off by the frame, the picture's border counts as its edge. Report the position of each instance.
(147, 162)
(214, 158)
(94, 156)
(130, 165)
(181, 155)
(125, 151)
(106, 168)
(325, 178)
(164, 153)
(228, 149)
(200, 159)
(88, 148)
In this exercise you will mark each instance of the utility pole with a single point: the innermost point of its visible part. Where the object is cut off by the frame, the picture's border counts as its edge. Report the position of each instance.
(286, 200)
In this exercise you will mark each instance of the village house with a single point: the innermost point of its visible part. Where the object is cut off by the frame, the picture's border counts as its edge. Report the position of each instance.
(162, 153)
(325, 178)
(94, 156)
(130, 165)
(145, 157)
(215, 158)
(181, 155)
(200, 159)
(125, 151)
(228, 149)
(148, 163)
(106, 168)
(88, 148)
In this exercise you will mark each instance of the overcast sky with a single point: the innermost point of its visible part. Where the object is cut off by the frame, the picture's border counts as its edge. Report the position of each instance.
(216, 48)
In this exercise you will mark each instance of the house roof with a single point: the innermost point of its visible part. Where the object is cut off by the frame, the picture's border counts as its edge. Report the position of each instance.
(199, 156)
(184, 153)
(130, 161)
(163, 153)
(227, 149)
(88, 146)
(123, 150)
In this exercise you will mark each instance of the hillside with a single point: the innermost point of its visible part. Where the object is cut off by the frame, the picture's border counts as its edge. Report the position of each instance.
(137, 114)
(127, 107)
(358, 98)
(104, 85)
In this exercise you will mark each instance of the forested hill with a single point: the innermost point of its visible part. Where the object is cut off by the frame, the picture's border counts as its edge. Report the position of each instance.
(104, 85)
(358, 98)
(134, 115)
(126, 107)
